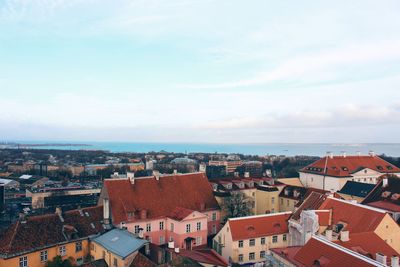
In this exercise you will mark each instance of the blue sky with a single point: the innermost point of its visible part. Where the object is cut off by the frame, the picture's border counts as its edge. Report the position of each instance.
(200, 71)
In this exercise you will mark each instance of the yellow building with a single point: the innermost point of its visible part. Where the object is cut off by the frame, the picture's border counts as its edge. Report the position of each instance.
(248, 239)
(118, 248)
(32, 241)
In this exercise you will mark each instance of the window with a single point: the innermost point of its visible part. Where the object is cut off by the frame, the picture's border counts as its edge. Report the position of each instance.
(43, 256)
(115, 262)
(252, 242)
(198, 226)
(137, 229)
(162, 240)
(252, 256)
(274, 239)
(171, 239)
(187, 228)
(148, 227)
(240, 243)
(214, 216)
(262, 254)
(161, 225)
(272, 200)
(284, 237)
(62, 250)
(172, 227)
(214, 229)
(198, 241)
(262, 240)
(287, 202)
(240, 257)
(23, 261)
(78, 246)
(272, 210)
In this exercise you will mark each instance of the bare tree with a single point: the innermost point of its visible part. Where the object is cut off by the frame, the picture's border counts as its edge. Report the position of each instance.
(236, 205)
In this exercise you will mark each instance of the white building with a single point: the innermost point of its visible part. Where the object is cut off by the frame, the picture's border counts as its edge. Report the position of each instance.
(332, 172)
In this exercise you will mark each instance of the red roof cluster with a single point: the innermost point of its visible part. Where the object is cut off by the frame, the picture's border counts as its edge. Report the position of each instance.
(157, 198)
(259, 225)
(320, 252)
(37, 232)
(207, 256)
(344, 166)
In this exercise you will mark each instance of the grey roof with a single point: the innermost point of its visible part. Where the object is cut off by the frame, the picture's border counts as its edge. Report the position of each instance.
(356, 189)
(120, 242)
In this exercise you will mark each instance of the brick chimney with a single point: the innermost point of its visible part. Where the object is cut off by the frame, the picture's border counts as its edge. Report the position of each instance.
(328, 234)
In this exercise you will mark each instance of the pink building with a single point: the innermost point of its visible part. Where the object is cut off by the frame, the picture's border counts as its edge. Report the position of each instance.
(179, 208)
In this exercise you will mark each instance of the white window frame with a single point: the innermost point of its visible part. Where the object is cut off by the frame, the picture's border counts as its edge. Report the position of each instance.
(43, 256)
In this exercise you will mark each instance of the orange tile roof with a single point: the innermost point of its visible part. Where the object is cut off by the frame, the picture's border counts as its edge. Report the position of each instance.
(340, 166)
(159, 197)
(259, 225)
(368, 244)
(356, 217)
(327, 254)
(386, 205)
(207, 256)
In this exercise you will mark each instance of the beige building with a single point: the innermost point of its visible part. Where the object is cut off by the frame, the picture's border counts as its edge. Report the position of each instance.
(118, 248)
(248, 239)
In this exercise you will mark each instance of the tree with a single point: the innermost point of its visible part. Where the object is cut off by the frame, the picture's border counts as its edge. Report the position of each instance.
(59, 262)
(236, 205)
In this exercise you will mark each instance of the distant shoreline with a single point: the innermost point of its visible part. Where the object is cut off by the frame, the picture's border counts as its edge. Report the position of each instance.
(40, 145)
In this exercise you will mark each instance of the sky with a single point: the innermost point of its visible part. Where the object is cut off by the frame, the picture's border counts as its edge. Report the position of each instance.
(224, 71)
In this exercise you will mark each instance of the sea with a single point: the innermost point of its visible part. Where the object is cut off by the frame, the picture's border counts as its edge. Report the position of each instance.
(287, 149)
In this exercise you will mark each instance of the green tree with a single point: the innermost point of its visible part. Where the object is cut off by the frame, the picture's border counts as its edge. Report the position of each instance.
(236, 205)
(59, 262)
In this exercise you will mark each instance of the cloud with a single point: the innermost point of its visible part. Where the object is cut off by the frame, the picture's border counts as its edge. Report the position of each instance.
(322, 66)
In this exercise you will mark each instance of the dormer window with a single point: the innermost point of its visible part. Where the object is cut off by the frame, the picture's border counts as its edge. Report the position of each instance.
(389, 167)
(215, 187)
(345, 168)
(228, 186)
(379, 168)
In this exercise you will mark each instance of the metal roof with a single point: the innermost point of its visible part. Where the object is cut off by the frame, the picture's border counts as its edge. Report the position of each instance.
(120, 242)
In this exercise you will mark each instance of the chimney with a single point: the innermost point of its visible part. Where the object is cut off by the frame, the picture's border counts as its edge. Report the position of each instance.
(358, 153)
(177, 250)
(330, 155)
(385, 182)
(59, 213)
(307, 237)
(156, 175)
(247, 174)
(106, 211)
(143, 214)
(328, 234)
(236, 174)
(372, 153)
(344, 154)
(394, 262)
(171, 244)
(381, 258)
(344, 236)
(175, 172)
(22, 217)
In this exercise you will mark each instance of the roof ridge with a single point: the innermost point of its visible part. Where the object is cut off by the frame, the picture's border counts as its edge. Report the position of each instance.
(358, 205)
(260, 216)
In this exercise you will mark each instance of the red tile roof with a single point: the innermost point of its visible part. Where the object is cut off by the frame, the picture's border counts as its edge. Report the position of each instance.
(142, 261)
(386, 205)
(159, 197)
(340, 166)
(207, 256)
(327, 254)
(368, 244)
(47, 230)
(356, 217)
(179, 213)
(324, 217)
(259, 225)
(312, 202)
